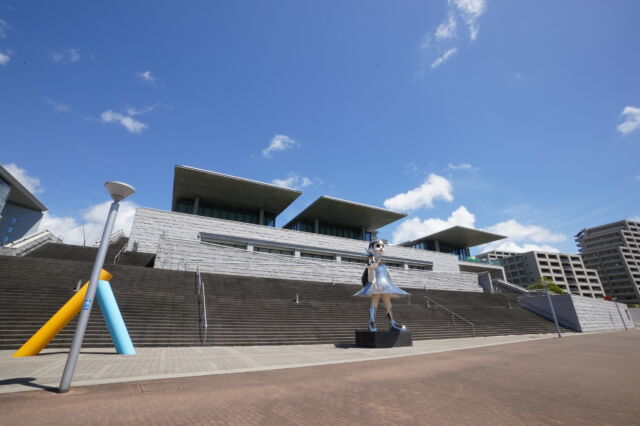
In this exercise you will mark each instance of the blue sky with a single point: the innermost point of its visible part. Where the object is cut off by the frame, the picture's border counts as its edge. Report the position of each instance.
(517, 117)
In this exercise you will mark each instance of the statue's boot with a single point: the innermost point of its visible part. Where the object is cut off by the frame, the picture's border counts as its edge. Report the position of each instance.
(394, 326)
(372, 318)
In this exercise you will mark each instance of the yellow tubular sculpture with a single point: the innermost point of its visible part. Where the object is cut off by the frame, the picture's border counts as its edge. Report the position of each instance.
(58, 321)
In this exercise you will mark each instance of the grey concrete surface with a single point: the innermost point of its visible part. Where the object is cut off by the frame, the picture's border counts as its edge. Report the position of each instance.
(585, 380)
(103, 365)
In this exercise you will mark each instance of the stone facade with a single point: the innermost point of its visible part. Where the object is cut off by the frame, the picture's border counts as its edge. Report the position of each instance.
(175, 238)
(581, 313)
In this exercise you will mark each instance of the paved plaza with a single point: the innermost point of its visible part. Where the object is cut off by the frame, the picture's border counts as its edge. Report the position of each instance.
(515, 380)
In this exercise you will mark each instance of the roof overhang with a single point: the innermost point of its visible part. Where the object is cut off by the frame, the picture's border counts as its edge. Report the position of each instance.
(347, 213)
(459, 236)
(230, 191)
(19, 194)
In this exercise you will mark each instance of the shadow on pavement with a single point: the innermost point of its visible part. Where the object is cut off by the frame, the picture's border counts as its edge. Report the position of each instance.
(27, 381)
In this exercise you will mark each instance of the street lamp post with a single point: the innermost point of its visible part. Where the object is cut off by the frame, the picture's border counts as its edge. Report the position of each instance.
(553, 311)
(615, 300)
(118, 191)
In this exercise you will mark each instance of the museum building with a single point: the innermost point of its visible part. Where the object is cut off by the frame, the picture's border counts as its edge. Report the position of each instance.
(226, 224)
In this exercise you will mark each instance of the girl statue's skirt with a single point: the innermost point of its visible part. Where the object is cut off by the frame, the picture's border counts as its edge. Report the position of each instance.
(383, 285)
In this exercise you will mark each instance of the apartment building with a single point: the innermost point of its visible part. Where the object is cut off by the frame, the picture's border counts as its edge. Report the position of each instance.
(566, 270)
(614, 251)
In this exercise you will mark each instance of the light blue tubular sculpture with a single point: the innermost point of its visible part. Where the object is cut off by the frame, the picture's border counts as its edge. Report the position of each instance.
(113, 319)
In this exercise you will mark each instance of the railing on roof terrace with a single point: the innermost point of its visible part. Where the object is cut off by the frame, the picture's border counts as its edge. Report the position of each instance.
(484, 261)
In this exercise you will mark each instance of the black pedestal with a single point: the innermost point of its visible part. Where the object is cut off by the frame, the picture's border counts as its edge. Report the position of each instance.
(383, 339)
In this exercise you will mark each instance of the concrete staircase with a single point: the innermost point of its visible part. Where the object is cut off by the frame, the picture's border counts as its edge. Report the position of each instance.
(160, 308)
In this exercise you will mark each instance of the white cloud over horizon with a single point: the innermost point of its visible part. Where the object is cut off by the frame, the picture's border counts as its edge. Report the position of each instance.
(278, 143)
(294, 181)
(71, 55)
(31, 183)
(127, 121)
(522, 238)
(435, 187)
(414, 228)
(632, 120)
(93, 219)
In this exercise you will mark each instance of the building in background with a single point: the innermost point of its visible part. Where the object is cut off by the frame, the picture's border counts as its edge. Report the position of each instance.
(458, 240)
(566, 270)
(20, 210)
(614, 251)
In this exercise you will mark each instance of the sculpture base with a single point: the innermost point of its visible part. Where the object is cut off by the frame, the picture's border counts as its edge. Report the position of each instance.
(383, 339)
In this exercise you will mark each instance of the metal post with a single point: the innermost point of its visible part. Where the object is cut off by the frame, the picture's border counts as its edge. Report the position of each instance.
(72, 359)
(553, 312)
(615, 300)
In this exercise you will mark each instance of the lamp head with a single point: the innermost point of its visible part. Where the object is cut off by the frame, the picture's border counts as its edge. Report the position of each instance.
(119, 190)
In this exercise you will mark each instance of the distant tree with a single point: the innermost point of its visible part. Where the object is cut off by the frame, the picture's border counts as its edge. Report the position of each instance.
(546, 282)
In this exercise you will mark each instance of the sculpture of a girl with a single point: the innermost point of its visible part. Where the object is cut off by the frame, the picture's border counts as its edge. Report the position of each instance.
(378, 286)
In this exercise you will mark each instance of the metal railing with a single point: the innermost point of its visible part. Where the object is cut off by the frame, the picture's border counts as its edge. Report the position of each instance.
(202, 308)
(119, 253)
(453, 314)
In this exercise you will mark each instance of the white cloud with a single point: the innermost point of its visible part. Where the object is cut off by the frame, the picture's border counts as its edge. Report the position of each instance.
(519, 232)
(66, 56)
(278, 143)
(5, 57)
(29, 182)
(448, 28)
(132, 125)
(522, 238)
(4, 27)
(444, 58)
(462, 166)
(294, 181)
(414, 228)
(57, 106)
(147, 77)
(93, 219)
(443, 43)
(520, 248)
(635, 218)
(434, 187)
(471, 10)
(632, 121)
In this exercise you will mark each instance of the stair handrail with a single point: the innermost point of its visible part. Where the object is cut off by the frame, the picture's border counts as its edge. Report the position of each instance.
(118, 254)
(202, 321)
(453, 314)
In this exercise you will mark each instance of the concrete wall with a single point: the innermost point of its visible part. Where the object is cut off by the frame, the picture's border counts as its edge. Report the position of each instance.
(27, 223)
(150, 224)
(581, 313)
(635, 315)
(187, 255)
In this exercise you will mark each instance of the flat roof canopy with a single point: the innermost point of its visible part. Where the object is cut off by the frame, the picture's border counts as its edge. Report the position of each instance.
(347, 213)
(229, 191)
(459, 236)
(19, 194)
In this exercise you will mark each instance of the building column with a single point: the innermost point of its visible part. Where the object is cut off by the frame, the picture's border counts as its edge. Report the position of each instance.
(261, 219)
(363, 233)
(437, 245)
(196, 205)
(316, 226)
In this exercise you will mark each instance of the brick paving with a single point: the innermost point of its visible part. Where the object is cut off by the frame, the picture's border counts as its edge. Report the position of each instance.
(583, 380)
